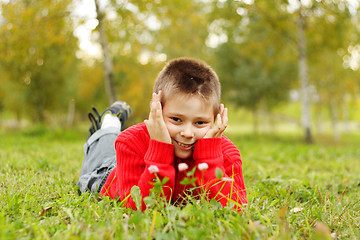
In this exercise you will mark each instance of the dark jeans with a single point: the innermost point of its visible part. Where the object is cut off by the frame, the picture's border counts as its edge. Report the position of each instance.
(99, 160)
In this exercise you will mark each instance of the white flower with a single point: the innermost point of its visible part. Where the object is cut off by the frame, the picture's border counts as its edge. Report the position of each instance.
(203, 166)
(153, 169)
(182, 166)
(296, 209)
(227, 179)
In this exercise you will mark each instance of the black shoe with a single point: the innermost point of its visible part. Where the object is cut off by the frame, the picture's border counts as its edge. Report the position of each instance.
(119, 109)
(95, 124)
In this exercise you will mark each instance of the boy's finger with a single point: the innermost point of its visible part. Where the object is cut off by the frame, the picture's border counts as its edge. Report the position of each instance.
(152, 114)
(221, 110)
(152, 105)
(157, 96)
(225, 118)
(224, 111)
(158, 111)
(153, 99)
(218, 121)
(221, 122)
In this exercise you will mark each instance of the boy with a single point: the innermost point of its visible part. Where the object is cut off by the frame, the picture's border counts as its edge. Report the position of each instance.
(184, 130)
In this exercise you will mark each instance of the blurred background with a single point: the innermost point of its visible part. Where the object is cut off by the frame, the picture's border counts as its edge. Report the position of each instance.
(284, 65)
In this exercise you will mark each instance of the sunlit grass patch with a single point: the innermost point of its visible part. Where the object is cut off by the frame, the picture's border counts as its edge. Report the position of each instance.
(295, 191)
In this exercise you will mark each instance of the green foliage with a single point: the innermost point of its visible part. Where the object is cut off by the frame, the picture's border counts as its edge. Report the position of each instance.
(144, 36)
(295, 191)
(252, 47)
(328, 73)
(256, 62)
(37, 50)
(90, 89)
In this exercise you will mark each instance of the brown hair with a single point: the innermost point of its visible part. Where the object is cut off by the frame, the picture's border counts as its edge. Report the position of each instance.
(189, 76)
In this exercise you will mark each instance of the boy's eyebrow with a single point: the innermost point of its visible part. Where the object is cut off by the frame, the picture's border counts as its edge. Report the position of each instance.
(175, 113)
(183, 115)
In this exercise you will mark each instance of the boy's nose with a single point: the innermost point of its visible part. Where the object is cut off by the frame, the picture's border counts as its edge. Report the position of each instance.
(187, 132)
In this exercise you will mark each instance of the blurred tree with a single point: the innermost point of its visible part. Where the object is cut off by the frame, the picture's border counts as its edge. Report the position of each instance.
(182, 28)
(254, 46)
(37, 51)
(328, 45)
(255, 62)
(304, 75)
(108, 64)
(90, 89)
(143, 34)
(133, 62)
(2, 94)
(264, 40)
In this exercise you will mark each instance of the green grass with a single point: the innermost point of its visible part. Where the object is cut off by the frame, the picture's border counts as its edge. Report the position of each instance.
(295, 191)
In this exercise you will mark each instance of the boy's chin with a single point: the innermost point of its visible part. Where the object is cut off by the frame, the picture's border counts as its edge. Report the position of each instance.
(183, 154)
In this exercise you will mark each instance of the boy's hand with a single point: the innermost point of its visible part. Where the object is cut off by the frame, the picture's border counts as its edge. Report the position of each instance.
(155, 124)
(219, 127)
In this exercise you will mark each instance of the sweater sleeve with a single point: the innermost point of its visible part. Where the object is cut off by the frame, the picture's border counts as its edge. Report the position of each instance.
(221, 153)
(134, 155)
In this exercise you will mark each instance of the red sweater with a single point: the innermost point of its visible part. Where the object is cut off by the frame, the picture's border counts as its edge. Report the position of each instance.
(135, 152)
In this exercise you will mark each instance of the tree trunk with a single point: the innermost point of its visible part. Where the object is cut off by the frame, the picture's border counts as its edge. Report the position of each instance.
(109, 70)
(304, 80)
(319, 121)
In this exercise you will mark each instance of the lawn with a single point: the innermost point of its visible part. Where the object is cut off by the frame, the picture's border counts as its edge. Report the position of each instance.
(295, 191)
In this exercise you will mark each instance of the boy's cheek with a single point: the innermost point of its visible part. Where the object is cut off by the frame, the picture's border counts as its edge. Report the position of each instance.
(171, 129)
(203, 132)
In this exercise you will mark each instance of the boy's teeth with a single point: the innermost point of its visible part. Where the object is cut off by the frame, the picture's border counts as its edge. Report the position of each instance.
(184, 145)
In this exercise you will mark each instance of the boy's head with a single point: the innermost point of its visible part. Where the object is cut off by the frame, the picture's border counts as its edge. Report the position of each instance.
(188, 76)
(190, 101)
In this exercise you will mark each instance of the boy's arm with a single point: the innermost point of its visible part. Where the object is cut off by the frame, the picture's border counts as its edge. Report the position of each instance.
(220, 154)
(158, 158)
(216, 151)
(134, 170)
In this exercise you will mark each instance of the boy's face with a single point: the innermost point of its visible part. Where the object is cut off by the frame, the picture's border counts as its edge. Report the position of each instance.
(187, 118)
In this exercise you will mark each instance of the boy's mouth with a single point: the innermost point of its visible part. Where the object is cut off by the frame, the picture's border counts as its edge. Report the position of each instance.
(184, 146)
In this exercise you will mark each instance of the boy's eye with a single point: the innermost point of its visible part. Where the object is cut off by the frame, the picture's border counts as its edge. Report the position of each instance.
(200, 123)
(175, 119)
